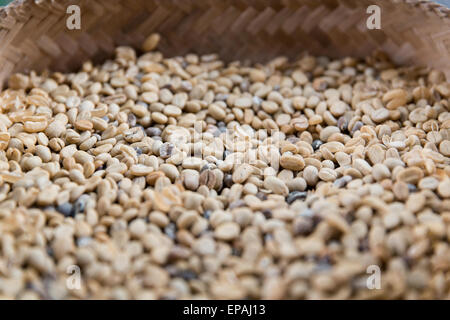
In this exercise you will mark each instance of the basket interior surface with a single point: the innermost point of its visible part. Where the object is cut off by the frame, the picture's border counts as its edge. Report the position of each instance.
(34, 35)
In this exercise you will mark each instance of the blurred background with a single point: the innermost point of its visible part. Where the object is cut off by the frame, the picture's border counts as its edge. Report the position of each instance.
(444, 2)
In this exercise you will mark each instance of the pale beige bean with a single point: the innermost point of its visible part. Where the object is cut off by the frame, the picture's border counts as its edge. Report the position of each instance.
(276, 185)
(327, 174)
(311, 175)
(242, 173)
(227, 231)
(140, 170)
(151, 42)
(292, 162)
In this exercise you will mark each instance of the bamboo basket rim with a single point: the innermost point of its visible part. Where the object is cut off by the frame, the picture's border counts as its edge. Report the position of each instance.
(15, 15)
(431, 6)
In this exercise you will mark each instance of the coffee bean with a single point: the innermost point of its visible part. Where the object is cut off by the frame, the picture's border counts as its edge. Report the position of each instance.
(66, 209)
(296, 195)
(316, 144)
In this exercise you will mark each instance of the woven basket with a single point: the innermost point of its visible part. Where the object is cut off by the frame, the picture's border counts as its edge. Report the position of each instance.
(34, 36)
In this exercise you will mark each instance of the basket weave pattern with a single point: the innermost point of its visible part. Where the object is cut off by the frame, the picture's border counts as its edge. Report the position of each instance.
(33, 34)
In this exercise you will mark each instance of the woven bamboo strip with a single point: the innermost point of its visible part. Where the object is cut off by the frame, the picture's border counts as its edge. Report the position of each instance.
(33, 34)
